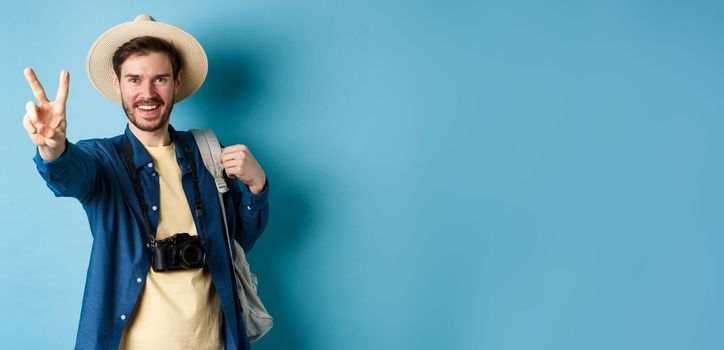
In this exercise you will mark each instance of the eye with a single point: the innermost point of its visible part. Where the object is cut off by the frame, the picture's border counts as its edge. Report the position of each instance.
(161, 80)
(133, 80)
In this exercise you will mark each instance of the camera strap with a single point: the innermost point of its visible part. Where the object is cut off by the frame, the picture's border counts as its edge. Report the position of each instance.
(188, 154)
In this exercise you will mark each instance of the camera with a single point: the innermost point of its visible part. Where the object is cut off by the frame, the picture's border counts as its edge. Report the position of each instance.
(180, 251)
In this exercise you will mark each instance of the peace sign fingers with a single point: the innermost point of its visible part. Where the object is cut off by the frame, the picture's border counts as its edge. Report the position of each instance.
(45, 121)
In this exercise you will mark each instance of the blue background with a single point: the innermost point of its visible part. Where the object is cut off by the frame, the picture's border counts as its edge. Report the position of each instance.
(445, 175)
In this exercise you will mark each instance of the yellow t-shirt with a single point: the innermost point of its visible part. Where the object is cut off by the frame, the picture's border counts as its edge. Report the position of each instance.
(177, 309)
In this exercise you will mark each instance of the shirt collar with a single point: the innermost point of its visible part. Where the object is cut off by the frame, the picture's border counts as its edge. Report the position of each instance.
(141, 157)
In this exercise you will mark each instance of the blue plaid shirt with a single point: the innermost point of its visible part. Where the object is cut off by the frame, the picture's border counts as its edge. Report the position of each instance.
(94, 172)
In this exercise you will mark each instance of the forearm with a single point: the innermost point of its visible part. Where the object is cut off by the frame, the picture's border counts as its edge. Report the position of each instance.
(253, 214)
(74, 173)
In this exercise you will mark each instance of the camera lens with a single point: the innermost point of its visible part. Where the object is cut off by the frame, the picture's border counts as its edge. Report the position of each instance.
(191, 256)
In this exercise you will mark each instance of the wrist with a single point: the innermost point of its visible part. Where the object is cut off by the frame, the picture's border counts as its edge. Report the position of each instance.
(257, 188)
(51, 153)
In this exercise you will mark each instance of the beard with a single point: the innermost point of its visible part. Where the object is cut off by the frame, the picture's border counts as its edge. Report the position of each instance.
(130, 114)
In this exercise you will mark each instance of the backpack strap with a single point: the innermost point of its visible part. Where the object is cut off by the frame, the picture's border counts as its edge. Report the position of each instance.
(210, 150)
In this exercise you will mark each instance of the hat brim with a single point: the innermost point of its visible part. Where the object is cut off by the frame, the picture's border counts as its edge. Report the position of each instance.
(100, 56)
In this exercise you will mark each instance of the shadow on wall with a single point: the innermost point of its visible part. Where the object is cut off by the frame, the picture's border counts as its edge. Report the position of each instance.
(234, 89)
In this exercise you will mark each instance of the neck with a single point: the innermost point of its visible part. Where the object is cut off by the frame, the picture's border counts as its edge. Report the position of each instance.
(157, 138)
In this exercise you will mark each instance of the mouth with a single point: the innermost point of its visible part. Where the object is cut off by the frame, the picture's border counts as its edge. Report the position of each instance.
(148, 109)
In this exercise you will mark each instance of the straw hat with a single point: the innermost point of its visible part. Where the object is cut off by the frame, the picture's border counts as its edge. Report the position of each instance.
(100, 56)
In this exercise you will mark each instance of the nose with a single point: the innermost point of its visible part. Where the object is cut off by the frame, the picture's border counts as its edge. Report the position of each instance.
(148, 90)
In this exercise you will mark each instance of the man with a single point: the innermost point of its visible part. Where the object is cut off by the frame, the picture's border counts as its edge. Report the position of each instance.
(159, 275)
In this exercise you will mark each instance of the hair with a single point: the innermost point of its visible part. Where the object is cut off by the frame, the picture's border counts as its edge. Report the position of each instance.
(143, 46)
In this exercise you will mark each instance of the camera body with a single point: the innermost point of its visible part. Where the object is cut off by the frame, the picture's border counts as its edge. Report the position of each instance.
(180, 251)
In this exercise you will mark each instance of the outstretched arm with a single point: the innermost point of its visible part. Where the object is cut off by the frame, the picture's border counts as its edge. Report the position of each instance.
(68, 170)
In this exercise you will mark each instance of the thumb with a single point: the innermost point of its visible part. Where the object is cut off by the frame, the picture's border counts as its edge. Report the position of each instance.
(41, 129)
(53, 138)
(47, 132)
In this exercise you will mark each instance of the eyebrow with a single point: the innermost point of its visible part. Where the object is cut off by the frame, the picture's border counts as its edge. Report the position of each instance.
(165, 75)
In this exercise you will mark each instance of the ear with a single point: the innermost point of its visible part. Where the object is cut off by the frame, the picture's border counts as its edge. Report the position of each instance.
(116, 82)
(177, 83)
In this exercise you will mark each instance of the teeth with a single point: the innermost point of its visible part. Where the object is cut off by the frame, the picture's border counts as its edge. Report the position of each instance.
(147, 108)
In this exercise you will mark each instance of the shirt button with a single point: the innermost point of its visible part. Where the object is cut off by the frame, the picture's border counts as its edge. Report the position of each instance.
(123, 317)
(139, 279)
(248, 207)
(150, 165)
(153, 173)
(154, 208)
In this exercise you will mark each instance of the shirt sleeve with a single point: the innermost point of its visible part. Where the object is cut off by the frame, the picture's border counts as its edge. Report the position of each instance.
(252, 213)
(73, 174)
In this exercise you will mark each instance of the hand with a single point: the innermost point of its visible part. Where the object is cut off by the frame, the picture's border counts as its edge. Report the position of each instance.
(239, 163)
(45, 122)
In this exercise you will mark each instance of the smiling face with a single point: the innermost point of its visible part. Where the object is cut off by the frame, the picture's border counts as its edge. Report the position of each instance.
(147, 89)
